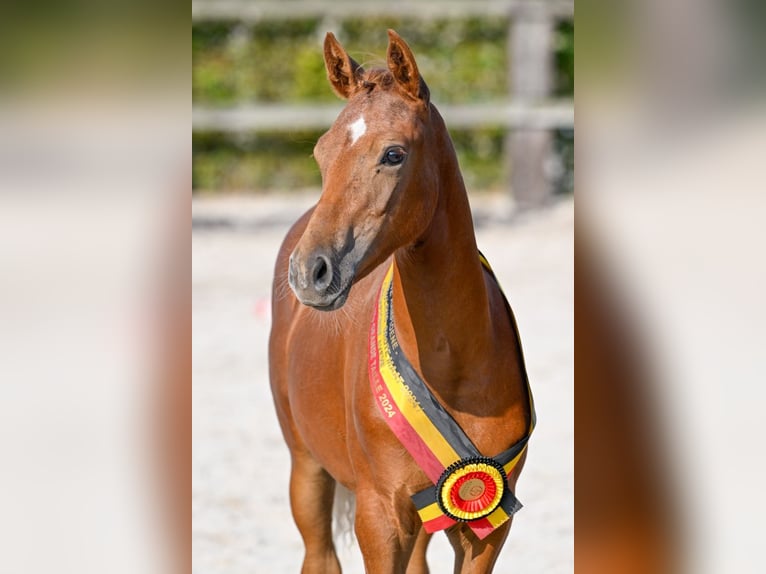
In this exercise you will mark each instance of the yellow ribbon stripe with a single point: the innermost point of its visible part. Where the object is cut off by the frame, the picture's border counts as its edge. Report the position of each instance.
(409, 408)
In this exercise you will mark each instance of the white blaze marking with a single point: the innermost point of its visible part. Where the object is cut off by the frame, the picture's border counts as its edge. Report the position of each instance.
(357, 129)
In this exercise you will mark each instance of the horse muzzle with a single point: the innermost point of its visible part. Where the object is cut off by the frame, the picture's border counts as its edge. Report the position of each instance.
(318, 280)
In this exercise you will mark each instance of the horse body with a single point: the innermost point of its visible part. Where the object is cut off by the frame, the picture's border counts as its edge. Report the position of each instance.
(392, 192)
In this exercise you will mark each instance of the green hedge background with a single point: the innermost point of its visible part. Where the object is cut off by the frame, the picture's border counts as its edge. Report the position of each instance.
(462, 61)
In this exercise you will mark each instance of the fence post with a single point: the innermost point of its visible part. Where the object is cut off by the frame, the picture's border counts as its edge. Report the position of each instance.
(530, 45)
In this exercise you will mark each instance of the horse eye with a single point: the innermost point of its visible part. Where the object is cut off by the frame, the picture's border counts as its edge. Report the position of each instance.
(393, 156)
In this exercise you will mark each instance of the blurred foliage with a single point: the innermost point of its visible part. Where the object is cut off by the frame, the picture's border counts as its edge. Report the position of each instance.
(563, 149)
(564, 54)
(283, 61)
(257, 161)
(462, 61)
(265, 160)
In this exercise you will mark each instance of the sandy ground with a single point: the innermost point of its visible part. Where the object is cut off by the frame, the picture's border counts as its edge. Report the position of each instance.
(241, 516)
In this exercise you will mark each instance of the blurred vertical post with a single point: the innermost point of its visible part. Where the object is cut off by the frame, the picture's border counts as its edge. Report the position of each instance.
(530, 45)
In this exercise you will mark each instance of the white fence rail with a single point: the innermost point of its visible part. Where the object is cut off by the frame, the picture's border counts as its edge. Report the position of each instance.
(263, 10)
(270, 117)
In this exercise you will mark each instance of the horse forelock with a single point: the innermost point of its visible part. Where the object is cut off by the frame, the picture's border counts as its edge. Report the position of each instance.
(377, 78)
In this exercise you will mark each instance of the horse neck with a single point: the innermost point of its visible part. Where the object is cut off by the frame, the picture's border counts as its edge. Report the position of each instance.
(440, 302)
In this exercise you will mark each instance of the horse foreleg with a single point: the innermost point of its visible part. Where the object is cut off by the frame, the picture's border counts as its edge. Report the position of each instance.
(311, 499)
(475, 556)
(386, 537)
(418, 564)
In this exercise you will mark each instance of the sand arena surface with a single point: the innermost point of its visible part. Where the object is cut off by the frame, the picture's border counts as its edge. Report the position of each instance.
(241, 516)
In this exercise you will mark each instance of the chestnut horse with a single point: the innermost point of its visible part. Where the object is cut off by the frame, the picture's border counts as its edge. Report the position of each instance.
(392, 193)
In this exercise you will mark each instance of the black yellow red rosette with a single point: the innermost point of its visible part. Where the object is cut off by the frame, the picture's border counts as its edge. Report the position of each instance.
(471, 489)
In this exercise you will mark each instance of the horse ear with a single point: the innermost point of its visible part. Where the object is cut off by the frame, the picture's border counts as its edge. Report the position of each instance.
(342, 71)
(402, 65)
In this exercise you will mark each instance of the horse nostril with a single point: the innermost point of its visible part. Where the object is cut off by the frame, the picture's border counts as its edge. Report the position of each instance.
(322, 273)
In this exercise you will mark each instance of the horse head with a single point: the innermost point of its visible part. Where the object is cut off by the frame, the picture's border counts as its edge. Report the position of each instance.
(379, 176)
